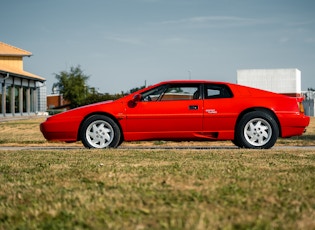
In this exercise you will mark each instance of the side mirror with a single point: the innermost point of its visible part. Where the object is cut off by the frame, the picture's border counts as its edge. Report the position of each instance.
(137, 98)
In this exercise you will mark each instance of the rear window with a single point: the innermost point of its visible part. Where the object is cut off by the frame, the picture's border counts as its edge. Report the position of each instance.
(217, 91)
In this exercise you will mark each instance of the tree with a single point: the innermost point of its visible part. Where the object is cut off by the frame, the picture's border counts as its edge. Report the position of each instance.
(136, 89)
(98, 97)
(72, 85)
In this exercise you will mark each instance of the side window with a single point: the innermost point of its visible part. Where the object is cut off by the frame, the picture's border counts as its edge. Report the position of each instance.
(217, 91)
(181, 92)
(172, 92)
(153, 94)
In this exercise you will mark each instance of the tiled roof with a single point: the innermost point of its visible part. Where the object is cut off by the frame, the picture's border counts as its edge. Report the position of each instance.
(19, 72)
(8, 50)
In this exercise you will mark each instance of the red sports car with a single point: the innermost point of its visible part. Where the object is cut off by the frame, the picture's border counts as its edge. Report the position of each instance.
(191, 110)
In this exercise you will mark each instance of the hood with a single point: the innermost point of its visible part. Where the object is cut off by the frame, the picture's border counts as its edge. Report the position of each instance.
(83, 108)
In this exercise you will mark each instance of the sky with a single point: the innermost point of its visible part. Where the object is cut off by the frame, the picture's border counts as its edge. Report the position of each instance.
(123, 44)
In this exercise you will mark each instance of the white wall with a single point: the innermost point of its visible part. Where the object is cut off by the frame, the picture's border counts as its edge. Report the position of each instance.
(286, 81)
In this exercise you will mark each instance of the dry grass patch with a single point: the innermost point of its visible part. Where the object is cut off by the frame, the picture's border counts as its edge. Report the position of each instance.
(25, 133)
(154, 189)
(144, 189)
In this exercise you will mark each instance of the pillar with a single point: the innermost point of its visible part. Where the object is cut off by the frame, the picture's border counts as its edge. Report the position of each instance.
(4, 93)
(21, 100)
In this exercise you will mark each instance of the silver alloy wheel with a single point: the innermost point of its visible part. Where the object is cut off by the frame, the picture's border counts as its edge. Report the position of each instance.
(257, 132)
(99, 134)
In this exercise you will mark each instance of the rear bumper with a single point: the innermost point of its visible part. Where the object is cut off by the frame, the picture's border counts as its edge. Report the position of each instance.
(293, 124)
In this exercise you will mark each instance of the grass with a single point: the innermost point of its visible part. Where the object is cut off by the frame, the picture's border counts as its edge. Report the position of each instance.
(21, 132)
(154, 189)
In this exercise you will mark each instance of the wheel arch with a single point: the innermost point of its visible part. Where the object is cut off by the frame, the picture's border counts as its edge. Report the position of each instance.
(262, 109)
(99, 113)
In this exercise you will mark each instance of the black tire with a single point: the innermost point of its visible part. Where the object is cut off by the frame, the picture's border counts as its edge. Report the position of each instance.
(256, 130)
(99, 131)
(236, 143)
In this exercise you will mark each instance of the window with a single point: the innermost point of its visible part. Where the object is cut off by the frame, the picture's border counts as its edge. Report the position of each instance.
(16, 99)
(217, 91)
(172, 92)
(25, 99)
(8, 99)
(32, 100)
(181, 92)
(153, 94)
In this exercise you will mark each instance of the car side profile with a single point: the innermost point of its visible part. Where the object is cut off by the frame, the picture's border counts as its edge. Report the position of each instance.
(186, 110)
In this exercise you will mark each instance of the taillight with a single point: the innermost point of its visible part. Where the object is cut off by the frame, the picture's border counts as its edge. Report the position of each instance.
(301, 107)
(299, 101)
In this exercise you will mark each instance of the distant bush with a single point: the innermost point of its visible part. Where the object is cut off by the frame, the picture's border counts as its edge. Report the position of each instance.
(55, 111)
(93, 98)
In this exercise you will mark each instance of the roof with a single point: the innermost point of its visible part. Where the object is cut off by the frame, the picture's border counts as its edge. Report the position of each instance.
(193, 81)
(8, 50)
(19, 72)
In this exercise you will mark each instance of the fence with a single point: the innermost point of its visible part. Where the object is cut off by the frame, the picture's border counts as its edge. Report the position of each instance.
(309, 107)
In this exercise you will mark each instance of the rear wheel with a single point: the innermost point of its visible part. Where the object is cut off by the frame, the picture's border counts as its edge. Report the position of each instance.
(256, 129)
(236, 143)
(100, 131)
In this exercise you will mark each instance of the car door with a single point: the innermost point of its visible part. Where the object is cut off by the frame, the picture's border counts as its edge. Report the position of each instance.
(219, 112)
(172, 111)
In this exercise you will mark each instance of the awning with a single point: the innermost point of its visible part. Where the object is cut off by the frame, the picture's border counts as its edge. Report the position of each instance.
(20, 73)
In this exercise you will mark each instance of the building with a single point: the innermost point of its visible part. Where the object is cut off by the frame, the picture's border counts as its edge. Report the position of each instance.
(21, 93)
(56, 104)
(283, 81)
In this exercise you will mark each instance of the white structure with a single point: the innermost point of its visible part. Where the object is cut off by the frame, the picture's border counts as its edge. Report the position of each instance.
(309, 103)
(284, 81)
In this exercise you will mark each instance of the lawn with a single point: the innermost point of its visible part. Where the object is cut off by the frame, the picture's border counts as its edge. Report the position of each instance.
(154, 189)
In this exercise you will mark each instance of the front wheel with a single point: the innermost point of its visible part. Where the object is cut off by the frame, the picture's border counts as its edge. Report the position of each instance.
(100, 131)
(257, 130)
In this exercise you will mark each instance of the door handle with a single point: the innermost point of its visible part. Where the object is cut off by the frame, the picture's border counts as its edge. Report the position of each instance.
(193, 107)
